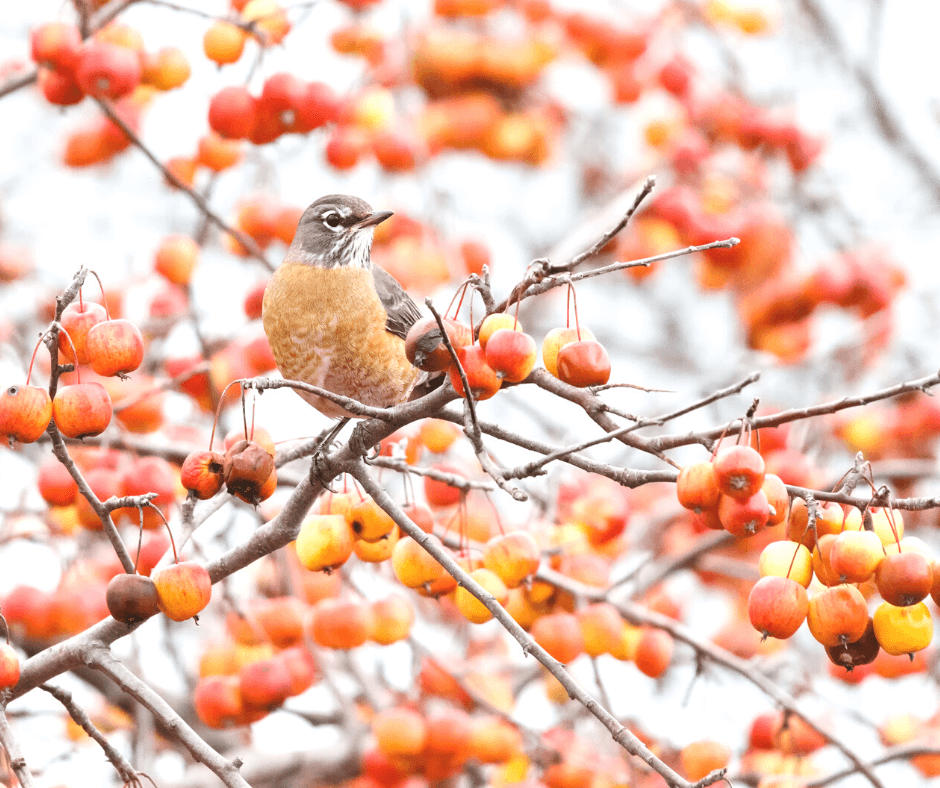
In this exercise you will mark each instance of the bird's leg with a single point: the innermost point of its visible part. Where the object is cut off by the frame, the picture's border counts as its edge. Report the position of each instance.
(318, 470)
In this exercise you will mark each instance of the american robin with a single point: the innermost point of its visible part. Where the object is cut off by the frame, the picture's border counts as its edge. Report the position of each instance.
(332, 318)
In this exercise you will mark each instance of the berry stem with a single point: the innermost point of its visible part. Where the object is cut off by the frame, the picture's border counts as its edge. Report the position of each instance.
(515, 319)
(889, 512)
(32, 359)
(462, 291)
(176, 558)
(577, 321)
(254, 404)
(409, 489)
(792, 560)
(245, 417)
(78, 375)
(218, 410)
(104, 298)
(140, 535)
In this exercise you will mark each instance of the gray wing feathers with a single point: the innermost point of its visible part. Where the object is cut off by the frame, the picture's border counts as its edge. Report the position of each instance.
(401, 310)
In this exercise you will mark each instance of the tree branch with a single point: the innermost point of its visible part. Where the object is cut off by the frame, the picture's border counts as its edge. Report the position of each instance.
(666, 442)
(245, 240)
(637, 614)
(100, 658)
(14, 753)
(618, 732)
(127, 772)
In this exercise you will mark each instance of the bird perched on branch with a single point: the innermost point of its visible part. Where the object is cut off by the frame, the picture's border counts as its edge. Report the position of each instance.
(332, 318)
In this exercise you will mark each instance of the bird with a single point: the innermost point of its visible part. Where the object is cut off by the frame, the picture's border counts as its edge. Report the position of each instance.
(334, 319)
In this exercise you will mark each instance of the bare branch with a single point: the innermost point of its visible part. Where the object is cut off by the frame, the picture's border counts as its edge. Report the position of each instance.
(666, 442)
(619, 733)
(625, 476)
(451, 479)
(663, 569)
(103, 511)
(541, 281)
(607, 237)
(531, 468)
(100, 658)
(595, 408)
(245, 240)
(890, 127)
(637, 614)
(80, 716)
(497, 474)
(903, 752)
(645, 262)
(14, 753)
(350, 404)
(539, 269)
(19, 81)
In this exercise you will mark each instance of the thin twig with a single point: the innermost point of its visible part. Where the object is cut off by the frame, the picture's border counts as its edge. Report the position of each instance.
(127, 772)
(471, 424)
(903, 752)
(619, 733)
(627, 477)
(497, 474)
(14, 753)
(533, 467)
(557, 281)
(543, 282)
(19, 81)
(166, 384)
(601, 689)
(475, 695)
(245, 240)
(666, 442)
(539, 269)
(595, 408)
(890, 127)
(638, 614)
(101, 659)
(316, 718)
(103, 511)
(661, 570)
(352, 405)
(445, 338)
(451, 479)
(607, 237)
(51, 337)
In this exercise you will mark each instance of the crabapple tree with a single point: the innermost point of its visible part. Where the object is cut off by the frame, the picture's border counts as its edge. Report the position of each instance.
(665, 515)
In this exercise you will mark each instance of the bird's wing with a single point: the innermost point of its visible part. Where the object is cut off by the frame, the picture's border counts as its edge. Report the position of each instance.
(401, 310)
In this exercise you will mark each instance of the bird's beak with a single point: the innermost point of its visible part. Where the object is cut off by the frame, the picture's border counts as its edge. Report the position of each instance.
(377, 217)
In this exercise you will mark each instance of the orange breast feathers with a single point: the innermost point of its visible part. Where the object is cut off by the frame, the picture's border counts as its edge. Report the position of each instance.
(326, 327)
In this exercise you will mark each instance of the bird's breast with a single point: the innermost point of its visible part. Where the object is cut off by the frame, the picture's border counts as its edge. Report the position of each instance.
(326, 327)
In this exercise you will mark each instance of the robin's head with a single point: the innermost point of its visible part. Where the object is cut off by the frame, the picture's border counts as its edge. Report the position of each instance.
(336, 232)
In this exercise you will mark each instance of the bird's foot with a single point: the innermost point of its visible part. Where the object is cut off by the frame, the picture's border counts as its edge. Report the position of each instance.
(319, 471)
(319, 468)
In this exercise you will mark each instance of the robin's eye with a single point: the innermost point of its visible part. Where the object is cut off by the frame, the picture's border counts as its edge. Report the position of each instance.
(332, 220)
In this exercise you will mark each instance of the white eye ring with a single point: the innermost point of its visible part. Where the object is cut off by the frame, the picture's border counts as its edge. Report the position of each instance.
(332, 220)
